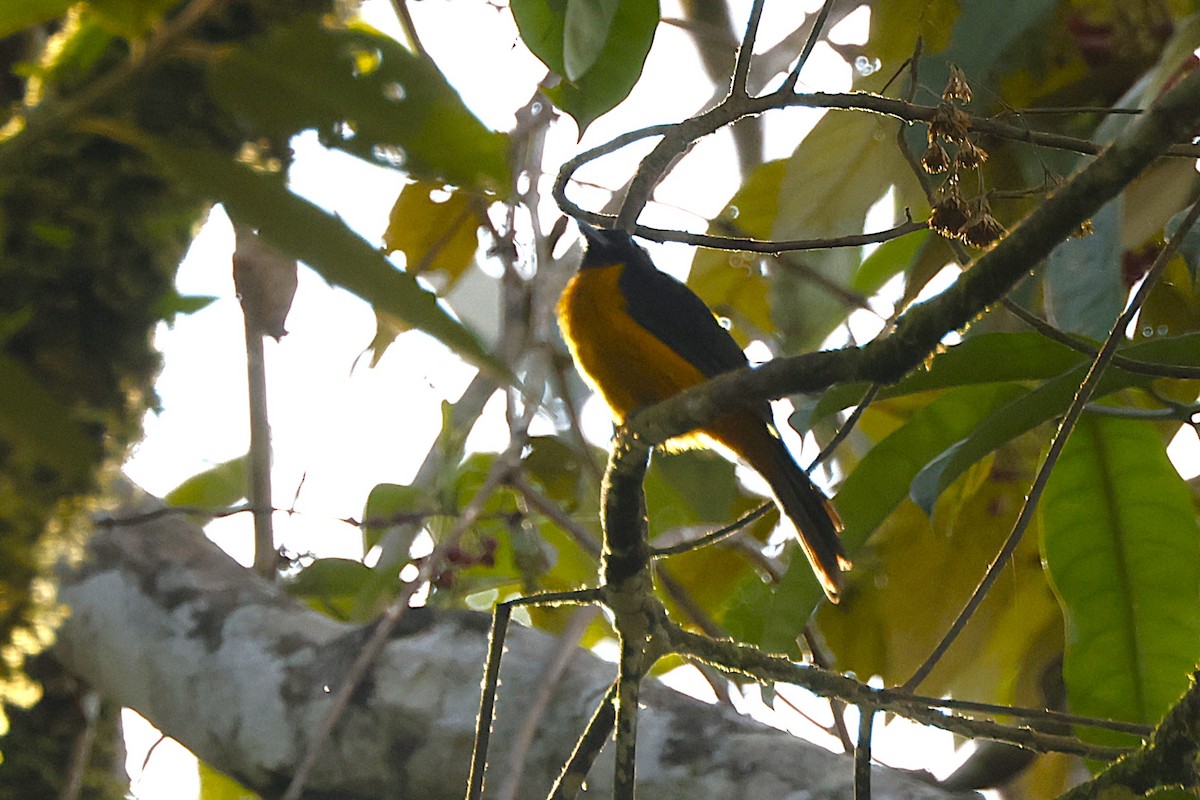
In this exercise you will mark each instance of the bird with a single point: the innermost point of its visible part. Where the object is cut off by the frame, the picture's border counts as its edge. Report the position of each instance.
(639, 336)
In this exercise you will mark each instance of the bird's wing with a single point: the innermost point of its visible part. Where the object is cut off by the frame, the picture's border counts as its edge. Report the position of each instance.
(679, 319)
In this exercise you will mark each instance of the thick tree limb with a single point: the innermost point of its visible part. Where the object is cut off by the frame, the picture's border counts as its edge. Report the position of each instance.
(164, 622)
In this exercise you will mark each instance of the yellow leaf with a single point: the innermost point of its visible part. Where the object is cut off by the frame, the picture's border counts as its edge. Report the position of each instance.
(216, 785)
(895, 26)
(435, 229)
(733, 287)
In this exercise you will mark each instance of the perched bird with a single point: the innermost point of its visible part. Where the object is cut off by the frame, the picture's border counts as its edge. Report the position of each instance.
(640, 337)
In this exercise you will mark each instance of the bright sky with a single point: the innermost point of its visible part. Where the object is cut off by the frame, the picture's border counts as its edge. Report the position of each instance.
(341, 427)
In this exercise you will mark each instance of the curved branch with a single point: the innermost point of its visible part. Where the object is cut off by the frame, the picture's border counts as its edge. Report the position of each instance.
(678, 137)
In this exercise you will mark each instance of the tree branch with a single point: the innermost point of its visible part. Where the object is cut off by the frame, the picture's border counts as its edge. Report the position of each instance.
(920, 330)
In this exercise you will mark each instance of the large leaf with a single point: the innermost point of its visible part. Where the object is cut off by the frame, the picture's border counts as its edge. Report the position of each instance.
(984, 358)
(588, 26)
(1084, 289)
(216, 488)
(1031, 409)
(365, 94)
(1006, 423)
(1122, 545)
(984, 31)
(300, 229)
(597, 46)
(993, 357)
(838, 172)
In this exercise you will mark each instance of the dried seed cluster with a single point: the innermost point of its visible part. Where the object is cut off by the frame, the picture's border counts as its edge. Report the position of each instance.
(954, 217)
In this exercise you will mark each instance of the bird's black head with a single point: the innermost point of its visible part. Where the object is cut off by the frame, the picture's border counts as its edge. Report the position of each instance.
(606, 246)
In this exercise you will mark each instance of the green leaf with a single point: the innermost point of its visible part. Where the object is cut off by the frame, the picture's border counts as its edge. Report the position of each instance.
(695, 487)
(883, 479)
(218, 487)
(600, 56)
(836, 174)
(984, 32)
(1029, 410)
(998, 357)
(390, 505)
(1121, 542)
(173, 304)
(912, 578)
(40, 428)
(588, 25)
(1006, 423)
(22, 14)
(1083, 283)
(366, 94)
(332, 586)
(832, 179)
(296, 227)
(983, 358)
(890, 258)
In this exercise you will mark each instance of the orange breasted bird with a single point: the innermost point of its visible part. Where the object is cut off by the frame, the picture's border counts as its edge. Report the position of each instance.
(640, 337)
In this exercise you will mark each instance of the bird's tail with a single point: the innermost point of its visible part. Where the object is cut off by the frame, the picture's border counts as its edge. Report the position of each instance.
(816, 520)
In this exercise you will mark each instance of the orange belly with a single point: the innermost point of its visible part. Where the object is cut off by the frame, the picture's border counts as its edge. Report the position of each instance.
(624, 362)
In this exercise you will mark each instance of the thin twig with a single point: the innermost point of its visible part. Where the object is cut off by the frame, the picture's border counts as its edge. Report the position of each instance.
(714, 537)
(570, 781)
(789, 84)
(847, 427)
(745, 660)
(501, 615)
(1079, 345)
(547, 683)
(676, 138)
(1078, 403)
(741, 69)
(1042, 715)
(862, 755)
(554, 512)
(410, 29)
(265, 555)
